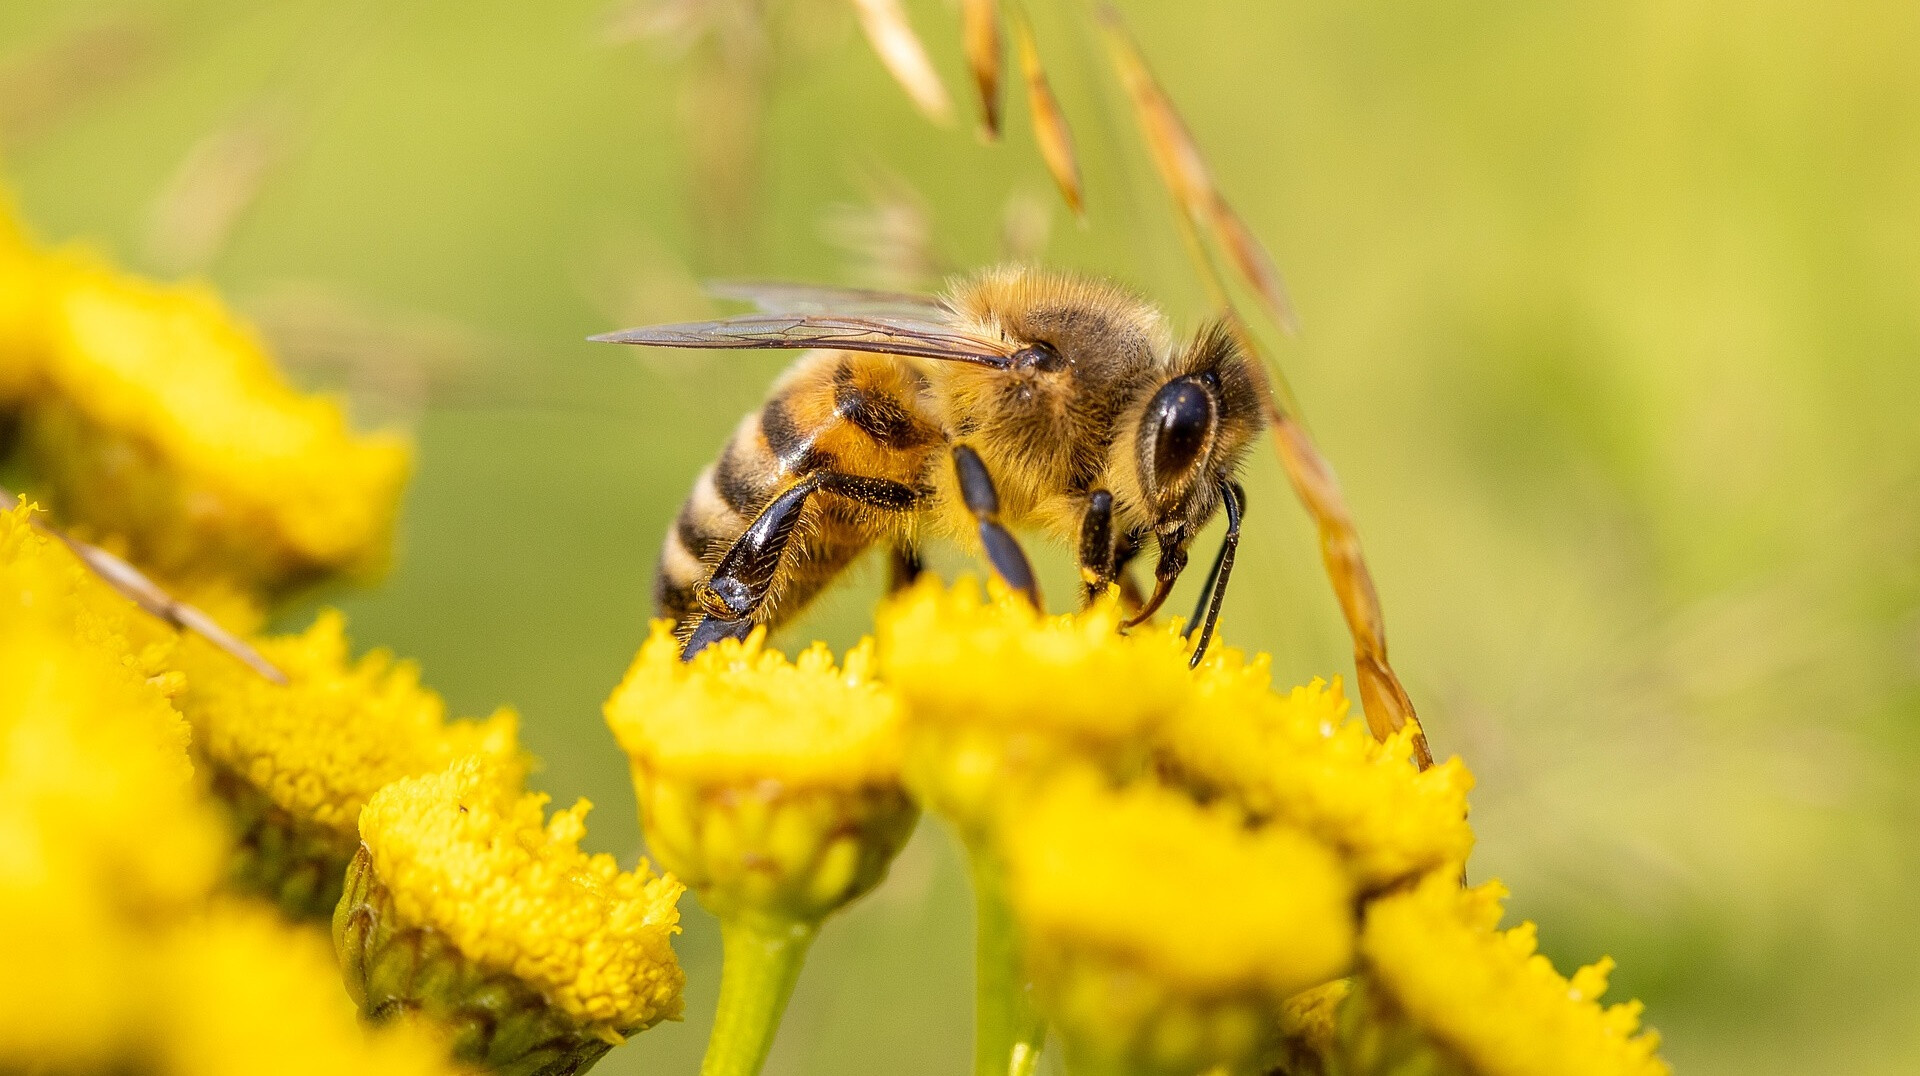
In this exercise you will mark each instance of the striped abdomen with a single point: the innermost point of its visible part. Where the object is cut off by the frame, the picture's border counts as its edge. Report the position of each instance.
(843, 412)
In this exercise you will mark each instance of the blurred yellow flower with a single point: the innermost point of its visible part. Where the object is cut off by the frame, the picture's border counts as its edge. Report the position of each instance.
(1297, 758)
(768, 785)
(1163, 936)
(102, 832)
(1488, 998)
(296, 763)
(998, 692)
(239, 993)
(151, 415)
(460, 855)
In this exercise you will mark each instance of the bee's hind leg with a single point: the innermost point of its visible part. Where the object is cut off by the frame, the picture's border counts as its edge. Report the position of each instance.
(739, 584)
(1009, 561)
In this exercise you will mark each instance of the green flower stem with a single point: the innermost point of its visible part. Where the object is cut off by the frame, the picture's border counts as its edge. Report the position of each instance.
(762, 958)
(1007, 1031)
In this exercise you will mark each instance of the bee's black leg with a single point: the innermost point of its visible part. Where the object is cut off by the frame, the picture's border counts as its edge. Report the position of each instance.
(903, 567)
(1215, 590)
(1009, 561)
(1096, 545)
(739, 584)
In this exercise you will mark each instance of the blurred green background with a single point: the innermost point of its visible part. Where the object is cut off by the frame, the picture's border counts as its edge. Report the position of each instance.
(1612, 329)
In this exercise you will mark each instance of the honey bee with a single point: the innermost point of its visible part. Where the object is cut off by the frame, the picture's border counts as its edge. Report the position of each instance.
(1021, 398)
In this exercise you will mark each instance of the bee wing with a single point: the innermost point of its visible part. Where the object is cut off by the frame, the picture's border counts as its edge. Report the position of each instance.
(887, 335)
(779, 297)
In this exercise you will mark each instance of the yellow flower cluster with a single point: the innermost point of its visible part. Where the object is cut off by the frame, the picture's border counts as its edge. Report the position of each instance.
(151, 416)
(1295, 758)
(1488, 998)
(463, 854)
(117, 950)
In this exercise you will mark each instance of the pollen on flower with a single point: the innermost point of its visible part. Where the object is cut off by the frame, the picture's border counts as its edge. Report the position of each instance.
(463, 854)
(1188, 893)
(240, 992)
(743, 711)
(962, 656)
(1489, 997)
(320, 746)
(1296, 758)
(152, 414)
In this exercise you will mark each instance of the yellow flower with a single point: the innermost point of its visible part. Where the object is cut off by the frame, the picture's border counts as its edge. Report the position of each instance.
(463, 903)
(101, 829)
(296, 763)
(998, 692)
(1487, 998)
(1296, 758)
(1163, 936)
(240, 993)
(769, 786)
(157, 417)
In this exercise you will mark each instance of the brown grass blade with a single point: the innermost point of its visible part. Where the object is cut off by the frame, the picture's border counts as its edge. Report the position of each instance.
(899, 49)
(980, 33)
(1184, 171)
(1050, 128)
(133, 585)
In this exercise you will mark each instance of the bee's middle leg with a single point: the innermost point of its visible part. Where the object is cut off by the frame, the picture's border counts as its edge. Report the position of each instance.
(1096, 546)
(1009, 561)
(740, 583)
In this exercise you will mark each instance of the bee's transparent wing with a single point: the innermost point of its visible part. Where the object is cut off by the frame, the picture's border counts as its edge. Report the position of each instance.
(888, 335)
(780, 297)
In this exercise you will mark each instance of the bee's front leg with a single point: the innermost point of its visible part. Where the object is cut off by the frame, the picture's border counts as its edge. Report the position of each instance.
(1096, 546)
(1009, 561)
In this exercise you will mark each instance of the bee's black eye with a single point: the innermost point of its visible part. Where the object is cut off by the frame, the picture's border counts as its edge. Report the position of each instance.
(1038, 356)
(1176, 432)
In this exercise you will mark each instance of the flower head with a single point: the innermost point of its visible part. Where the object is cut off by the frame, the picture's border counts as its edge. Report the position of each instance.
(998, 692)
(152, 414)
(1485, 996)
(1297, 758)
(1168, 934)
(771, 786)
(296, 763)
(462, 881)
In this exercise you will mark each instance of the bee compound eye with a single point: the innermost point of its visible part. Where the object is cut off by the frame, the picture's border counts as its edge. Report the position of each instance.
(1178, 430)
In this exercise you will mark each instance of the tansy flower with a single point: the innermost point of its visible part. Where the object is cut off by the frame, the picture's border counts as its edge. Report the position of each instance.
(996, 690)
(773, 788)
(296, 763)
(237, 992)
(1296, 758)
(1163, 937)
(466, 906)
(101, 831)
(1000, 695)
(1480, 999)
(151, 415)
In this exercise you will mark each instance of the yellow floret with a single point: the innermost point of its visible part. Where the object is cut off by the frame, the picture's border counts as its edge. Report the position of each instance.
(463, 855)
(964, 657)
(1190, 894)
(1489, 997)
(158, 417)
(241, 993)
(742, 712)
(1296, 758)
(322, 745)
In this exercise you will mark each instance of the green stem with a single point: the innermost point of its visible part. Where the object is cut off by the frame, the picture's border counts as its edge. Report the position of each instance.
(1007, 1032)
(762, 959)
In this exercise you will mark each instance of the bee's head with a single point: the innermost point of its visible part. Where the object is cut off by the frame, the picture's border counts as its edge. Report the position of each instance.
(1190, 432)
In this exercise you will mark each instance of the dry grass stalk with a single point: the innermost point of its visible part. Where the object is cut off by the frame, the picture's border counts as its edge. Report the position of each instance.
(980, 33)
(1186, 174)
(1385, 701)
(1050, 128)
(899, 49)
